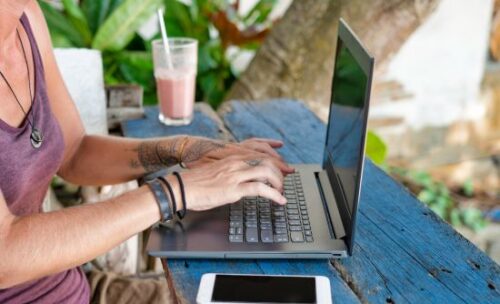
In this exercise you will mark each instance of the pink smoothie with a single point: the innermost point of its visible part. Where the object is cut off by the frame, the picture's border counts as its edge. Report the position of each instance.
(176, 93)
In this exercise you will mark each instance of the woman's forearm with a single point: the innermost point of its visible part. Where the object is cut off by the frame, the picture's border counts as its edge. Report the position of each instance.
(101, 160)
(41, 244)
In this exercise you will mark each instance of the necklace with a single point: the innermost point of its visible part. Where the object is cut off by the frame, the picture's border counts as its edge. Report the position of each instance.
(36, 136)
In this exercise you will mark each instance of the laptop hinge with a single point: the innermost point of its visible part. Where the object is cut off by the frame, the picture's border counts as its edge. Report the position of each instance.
(330, 204)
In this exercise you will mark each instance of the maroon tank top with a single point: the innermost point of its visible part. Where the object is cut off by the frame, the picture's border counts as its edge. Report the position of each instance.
(25, 176)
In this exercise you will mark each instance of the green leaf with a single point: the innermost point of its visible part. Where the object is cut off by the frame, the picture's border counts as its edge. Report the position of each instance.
(440, 211)
(178, 20)
(119, 28)
(468, 187)
(59, 25)
(78, 20)
(137, 66)
(96, 11)
(259, 13)
(426, 196)
(473, 218)
(376, 149)
(455, 218)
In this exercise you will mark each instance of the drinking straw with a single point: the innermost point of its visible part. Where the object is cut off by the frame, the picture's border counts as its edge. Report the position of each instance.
(164, 39)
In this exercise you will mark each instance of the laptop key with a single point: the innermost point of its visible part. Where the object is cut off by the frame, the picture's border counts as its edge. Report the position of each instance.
(281, 238)
(280, 225)
(308, 233)
(266, 236)
(236, 224)
(295, 228)
(307, 227)
(297, 237)
(292, 211)
(236, 238)
(294, 222)
(305, 217)
(280, 231)
(309, 239)
(306, 222)
(251, 235)
(294, 217)
(236, 218)
(251, 224)
(239, 230)
(232, 230)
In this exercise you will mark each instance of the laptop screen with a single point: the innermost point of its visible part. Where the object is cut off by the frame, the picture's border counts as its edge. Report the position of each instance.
(346, 128)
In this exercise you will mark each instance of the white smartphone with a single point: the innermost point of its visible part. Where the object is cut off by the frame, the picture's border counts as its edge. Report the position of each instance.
(249, 288)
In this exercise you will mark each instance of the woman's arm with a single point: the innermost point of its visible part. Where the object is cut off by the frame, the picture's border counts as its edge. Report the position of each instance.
(41, 244)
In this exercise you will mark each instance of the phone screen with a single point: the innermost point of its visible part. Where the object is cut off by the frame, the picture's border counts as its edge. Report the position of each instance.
(259, 289)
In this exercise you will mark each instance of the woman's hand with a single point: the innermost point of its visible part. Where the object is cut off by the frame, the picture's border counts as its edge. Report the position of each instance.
(227, 181)
(199, 151)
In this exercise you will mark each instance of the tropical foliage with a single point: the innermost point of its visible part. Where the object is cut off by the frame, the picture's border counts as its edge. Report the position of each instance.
(111, 26)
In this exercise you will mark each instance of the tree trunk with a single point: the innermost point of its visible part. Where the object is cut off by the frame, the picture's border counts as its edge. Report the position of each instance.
(296, 59)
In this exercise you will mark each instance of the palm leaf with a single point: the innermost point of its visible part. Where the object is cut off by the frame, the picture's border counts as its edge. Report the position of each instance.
(118, 30)
(78, 20)
(97, 11)
(60, 26)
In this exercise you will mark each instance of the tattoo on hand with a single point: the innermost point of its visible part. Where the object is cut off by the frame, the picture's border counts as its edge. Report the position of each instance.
(153, 156)
(200, 148)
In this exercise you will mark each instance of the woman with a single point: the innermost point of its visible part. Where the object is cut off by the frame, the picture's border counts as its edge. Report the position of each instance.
(41, 135)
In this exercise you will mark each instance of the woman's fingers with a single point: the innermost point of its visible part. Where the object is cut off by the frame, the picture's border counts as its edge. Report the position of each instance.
(262, 147)
(263, 173)
(274, 143)
(262, 190)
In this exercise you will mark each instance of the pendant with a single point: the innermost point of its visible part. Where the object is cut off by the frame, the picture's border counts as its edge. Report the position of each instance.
(36, 138)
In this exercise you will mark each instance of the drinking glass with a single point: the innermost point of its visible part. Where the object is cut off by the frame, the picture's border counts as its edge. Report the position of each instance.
(175, 84)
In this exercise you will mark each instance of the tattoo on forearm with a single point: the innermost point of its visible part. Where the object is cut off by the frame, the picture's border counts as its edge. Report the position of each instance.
(199, 148)
(153, 156)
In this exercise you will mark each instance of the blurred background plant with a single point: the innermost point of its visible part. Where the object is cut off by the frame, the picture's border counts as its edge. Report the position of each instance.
(112, 27)
(445, 202)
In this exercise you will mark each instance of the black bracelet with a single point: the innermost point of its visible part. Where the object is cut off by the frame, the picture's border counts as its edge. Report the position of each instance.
(181, 213)
(171, 191)
(162, 200)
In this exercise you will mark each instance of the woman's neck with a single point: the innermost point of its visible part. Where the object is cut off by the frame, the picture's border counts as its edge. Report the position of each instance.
(10, 13)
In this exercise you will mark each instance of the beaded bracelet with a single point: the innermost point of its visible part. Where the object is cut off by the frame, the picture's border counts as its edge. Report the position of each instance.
(181, 213)
(161, 198)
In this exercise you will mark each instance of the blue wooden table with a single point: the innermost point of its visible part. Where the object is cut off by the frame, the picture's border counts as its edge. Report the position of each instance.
(403, 253)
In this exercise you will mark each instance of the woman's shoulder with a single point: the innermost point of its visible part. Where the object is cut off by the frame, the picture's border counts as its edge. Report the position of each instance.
(38, 26)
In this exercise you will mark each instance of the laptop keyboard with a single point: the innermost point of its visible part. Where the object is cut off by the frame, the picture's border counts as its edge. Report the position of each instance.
(256, 219)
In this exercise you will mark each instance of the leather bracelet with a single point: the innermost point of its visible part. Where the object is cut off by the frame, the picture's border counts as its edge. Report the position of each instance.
(181, 213)
(171, 192)
(162, 200)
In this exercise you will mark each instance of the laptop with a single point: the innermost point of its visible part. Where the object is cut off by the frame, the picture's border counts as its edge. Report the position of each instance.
(319, 219)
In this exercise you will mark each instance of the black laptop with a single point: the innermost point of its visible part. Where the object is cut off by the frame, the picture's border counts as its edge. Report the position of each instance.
(320, 217)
